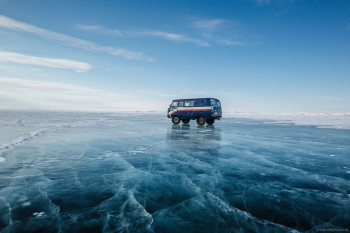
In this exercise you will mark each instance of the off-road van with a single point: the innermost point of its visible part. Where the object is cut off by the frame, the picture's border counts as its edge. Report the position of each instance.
(202, 110)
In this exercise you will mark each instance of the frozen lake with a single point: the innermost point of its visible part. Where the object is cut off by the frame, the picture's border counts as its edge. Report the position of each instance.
(89, 172)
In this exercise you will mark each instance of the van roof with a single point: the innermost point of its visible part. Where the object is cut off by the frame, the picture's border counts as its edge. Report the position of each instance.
(195, 99)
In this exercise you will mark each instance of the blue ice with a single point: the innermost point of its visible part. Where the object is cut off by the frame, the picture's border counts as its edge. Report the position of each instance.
(94, 172)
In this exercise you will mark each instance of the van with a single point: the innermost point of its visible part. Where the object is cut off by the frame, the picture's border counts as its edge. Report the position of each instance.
(201, 109)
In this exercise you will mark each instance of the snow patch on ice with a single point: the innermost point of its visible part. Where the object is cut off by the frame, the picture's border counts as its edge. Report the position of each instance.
(27, 203)
(320, 120)
(39, 214)
(2, 159)
(112, 155)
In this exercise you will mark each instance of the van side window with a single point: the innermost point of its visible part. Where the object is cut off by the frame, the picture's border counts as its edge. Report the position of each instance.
(189, 103)
(181, 104)
(174, 104)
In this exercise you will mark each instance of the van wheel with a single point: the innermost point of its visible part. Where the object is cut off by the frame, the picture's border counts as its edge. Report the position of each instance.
(175, 120)
(186, 121)
(210, 121)
(200, 120)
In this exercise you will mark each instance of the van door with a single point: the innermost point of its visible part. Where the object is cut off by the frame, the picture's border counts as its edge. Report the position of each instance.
(173, 107)
(189, 113)
(181, 113)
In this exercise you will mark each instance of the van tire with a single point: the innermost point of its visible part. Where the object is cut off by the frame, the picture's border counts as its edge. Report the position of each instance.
(185, 121)
(175, 120)
(210, 121)
(200, 120)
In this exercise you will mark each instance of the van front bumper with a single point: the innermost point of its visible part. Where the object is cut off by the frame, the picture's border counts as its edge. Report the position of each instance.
(216, 115)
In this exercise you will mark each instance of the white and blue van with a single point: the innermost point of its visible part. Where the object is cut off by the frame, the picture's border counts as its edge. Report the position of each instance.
(202, 110)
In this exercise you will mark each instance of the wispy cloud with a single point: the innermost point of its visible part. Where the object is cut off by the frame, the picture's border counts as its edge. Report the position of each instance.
(100, 29)
(43, 61)
(230, 43)
(170, 36)
(208, 25)
(219, 31)
(37, 95)
(154, 33)
(89, 27)
(69, 40)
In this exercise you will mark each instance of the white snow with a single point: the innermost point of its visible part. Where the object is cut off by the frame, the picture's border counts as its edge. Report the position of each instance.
(321, 120)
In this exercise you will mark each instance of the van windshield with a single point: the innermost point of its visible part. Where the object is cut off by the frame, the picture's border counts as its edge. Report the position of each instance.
(215, 103)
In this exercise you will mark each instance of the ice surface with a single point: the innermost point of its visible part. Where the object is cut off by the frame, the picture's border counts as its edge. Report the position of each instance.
(80, 172)
(321, 120)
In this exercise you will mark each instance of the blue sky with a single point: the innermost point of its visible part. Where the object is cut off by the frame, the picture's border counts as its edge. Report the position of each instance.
(266, 56)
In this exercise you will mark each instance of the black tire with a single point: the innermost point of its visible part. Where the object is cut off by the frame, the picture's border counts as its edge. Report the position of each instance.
(185, 121)
(200, 120)
(210, 121)
(175, 120)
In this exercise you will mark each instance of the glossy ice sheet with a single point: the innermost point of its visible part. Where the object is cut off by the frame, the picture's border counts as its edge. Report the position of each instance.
(119, 173)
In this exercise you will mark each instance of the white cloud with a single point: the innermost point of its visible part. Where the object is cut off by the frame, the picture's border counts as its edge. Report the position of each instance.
(100, 28)
(170, 36)
(230, 43)
(89, 27)
(69, 40)
(159, 34)
(208, 25)
(43, 61)
(218, 30)
(37, 95)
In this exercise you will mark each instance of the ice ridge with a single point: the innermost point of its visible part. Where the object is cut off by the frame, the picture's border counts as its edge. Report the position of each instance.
(24, 138)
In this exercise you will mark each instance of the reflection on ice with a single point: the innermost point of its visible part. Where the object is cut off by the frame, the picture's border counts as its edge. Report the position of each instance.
(116, 173)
